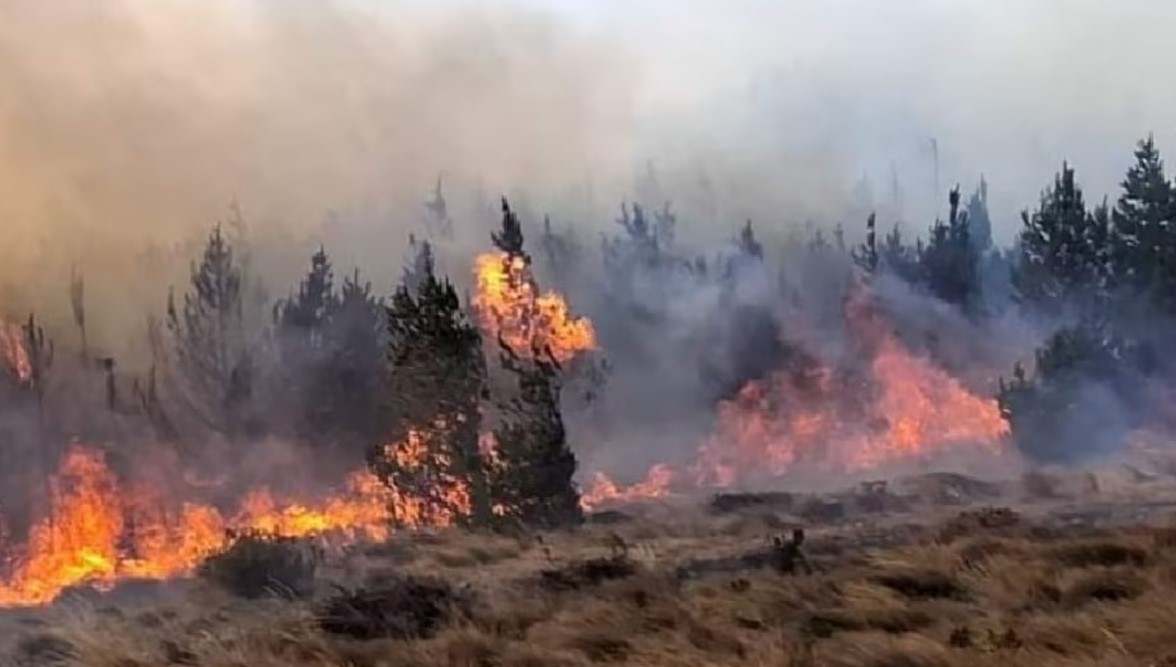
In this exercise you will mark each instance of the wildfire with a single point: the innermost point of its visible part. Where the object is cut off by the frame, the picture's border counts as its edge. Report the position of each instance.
(604, 491)
(98, 531)
(510, 305)
(13, 354)
(902, 408)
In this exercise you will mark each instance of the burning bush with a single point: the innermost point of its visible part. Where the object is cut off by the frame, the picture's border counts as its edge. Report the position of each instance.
(258, 564)
(396, 607)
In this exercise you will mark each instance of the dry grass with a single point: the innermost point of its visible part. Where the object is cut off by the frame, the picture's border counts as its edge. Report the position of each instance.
(891, 591)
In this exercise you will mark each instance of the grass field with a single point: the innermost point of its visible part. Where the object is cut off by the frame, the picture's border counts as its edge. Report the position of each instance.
(927, 577)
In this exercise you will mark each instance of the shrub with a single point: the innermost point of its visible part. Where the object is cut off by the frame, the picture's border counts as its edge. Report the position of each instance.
(257, 565)
(395, 607)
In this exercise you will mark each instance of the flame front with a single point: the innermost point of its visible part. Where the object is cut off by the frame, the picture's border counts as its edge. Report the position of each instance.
(902, 408)
(97, 531)
(13, 354)
(510, 305)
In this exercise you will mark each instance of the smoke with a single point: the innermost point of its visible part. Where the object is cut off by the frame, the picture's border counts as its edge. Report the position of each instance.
(131, 125)
(128, 127)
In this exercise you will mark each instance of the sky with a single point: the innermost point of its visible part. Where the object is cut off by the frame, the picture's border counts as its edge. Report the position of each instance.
(1008, 89)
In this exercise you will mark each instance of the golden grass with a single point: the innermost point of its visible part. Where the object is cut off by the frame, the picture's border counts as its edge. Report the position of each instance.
(1071, 597)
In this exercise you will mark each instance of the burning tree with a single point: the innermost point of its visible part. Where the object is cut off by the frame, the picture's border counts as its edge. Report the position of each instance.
(437, 381)
(531, 466)
(209, 340)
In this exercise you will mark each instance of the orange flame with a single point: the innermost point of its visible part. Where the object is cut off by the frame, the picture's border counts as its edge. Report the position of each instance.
(509, 305)
(604, 491)
(13, 353)
(97, 532)
(905, 408)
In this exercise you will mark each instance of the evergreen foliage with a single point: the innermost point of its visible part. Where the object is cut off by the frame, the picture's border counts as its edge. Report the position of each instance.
(209, 340)
(1063, 251)
(950, 260)
(1143, 240)
(437, 378)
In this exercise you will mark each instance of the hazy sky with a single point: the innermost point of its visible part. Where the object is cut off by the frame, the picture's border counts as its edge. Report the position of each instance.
(1009, 88)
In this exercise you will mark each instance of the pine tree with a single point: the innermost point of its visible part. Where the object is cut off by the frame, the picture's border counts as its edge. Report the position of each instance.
(979, 222)
(437, 378)
(1143, 229)
(331, 348)
(1052, 418)
(532, 466)
(209, 340)
(1062, 252)
(950, 261)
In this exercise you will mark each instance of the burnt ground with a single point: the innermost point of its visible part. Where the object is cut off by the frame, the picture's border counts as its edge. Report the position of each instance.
(940, 570)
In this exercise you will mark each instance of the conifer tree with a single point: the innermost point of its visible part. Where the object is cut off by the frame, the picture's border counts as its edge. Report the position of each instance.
(1143, 254)
(979, 222)
(532, 466)
(330, 345)
(209, 339)
(1062, 251)
(1052, 419)
(950, 260)
(437, 379)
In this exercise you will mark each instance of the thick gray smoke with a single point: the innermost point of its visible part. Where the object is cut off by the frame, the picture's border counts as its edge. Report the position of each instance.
(128, 127)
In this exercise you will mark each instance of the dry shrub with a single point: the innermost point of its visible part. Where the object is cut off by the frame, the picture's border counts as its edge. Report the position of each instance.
(1105, 585)
(893, 620)
(259, 565)
(987, 520)
(42, 650)
(1099, 553)
(725, 503)
(600, 645)
(396, 608)
(868, 650)
(922, 584)
(587, 573)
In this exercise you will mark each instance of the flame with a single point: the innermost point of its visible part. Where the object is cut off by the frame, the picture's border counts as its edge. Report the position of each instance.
(98, 531)
(13, 353)
(438, 499)
(509, 305)
(902, 408)
(604, 491)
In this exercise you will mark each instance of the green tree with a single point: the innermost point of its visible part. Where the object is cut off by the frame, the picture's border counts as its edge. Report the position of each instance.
(209, 341)
(331, 352)
(950, 261)
(437, 380)
(1083, 380)
(1062, 252)
(532, 467)
(1143, 233)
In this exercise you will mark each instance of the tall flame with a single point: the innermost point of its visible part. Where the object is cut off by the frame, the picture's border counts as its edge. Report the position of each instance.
(510, 305)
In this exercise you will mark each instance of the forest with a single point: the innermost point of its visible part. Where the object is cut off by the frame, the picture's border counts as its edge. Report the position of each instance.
(772, 359)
